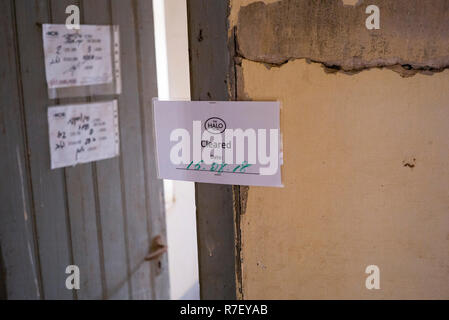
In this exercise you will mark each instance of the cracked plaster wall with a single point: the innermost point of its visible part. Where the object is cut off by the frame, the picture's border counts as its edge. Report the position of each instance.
(413, 33)
(366, 155)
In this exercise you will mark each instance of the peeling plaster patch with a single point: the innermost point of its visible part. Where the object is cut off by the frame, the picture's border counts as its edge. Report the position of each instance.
(351, 2)
(412, 34)
(409, 163)
(244, 190)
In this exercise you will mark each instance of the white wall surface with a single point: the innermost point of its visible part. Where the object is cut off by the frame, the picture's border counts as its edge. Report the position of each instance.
(172, 56)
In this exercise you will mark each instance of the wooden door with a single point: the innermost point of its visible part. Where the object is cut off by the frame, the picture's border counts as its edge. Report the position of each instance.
(101, 216)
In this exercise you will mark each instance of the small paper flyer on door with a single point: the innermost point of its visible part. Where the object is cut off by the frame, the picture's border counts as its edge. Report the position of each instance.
(81, 57)
(219, 142)
(83, 133)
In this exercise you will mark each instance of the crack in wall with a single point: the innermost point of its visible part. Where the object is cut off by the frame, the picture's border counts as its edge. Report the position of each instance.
(404, 70)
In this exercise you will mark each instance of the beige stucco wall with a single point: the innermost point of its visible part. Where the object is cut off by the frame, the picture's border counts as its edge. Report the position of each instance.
(366, 179)
(349, 199)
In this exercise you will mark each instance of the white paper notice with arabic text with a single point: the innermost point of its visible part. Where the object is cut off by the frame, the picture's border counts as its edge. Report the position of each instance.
(78, 57)
(83, 133)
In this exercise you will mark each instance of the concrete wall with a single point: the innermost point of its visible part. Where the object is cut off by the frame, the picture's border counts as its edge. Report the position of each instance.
(366, 152)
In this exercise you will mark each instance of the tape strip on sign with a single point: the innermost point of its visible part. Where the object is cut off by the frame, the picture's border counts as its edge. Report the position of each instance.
(219, 142)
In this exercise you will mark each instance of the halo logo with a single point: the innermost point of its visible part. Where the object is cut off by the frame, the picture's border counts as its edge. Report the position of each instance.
(215, 125)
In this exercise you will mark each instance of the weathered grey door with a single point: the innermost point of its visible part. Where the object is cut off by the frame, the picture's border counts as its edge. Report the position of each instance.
(101, 216)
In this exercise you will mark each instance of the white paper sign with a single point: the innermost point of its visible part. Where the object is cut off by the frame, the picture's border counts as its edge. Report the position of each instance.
(83, 133)
(219, 142)
(78, 57)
